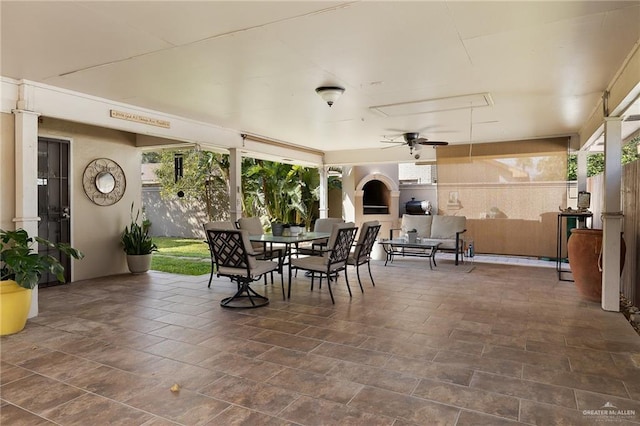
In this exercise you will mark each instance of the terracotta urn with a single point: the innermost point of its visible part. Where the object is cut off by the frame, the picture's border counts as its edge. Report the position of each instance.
(585, 259)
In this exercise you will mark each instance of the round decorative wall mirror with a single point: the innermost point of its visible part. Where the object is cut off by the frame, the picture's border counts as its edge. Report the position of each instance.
(104, 182)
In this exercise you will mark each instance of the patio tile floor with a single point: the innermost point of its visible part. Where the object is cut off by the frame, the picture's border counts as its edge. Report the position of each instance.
(504, 344)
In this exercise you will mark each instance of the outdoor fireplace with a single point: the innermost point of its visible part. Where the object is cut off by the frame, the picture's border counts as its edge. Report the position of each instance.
(375, 198)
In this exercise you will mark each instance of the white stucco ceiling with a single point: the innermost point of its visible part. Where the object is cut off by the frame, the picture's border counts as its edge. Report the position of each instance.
(254, 66)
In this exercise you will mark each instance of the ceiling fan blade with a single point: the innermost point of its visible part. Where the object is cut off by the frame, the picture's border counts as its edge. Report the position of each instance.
(396, 142)
(392, 146)
(423, 141)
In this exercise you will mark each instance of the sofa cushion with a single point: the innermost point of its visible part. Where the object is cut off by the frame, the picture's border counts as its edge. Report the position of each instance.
(445, 227)
(421, 223)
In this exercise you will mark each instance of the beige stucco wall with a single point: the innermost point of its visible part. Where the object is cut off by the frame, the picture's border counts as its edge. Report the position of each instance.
(424, 192)
(390, 170)
(96, 229)
(7, 171)
(335, 203)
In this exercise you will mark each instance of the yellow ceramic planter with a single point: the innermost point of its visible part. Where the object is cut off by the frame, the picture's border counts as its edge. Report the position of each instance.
(15, 302)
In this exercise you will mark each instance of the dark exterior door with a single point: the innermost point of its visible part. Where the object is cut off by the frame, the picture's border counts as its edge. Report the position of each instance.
(53, 201)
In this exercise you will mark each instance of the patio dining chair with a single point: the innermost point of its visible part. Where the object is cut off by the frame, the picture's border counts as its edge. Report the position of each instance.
(253, 226)
(236, 259)
(362, 251)
(320, 225)
(224, 225)
(333, 259)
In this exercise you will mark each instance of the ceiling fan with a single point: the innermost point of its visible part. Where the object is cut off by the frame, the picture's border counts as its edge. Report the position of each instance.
(414, 141)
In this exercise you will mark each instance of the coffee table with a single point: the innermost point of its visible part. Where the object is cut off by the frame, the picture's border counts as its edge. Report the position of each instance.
(401, 247)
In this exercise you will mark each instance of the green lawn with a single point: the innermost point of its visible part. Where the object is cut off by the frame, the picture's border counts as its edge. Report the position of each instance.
(187, 256)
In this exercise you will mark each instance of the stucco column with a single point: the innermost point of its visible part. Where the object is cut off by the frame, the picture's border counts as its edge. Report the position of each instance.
(235, 184)
(348, 194)
(612, 214)
(324, 192)
(26, 170)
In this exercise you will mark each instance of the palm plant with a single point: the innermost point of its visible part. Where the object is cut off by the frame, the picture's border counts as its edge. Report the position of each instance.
(269, 189)
(305, 199)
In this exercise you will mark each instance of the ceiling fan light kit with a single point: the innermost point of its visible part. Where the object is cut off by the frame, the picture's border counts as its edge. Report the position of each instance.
(411, 136)
(330, 94)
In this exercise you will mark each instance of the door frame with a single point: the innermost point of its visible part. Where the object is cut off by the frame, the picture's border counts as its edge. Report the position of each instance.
(70, 180)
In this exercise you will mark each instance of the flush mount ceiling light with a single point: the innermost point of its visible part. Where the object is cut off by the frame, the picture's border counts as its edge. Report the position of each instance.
(330, 94)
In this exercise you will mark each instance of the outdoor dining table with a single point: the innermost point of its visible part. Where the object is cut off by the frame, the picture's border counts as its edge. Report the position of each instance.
(288, 241)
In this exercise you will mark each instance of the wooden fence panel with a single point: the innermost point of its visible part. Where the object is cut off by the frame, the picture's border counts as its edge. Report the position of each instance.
(630, 200)
(631, 229)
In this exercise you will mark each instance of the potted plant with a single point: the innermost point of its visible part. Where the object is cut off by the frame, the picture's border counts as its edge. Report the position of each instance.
(412, 235)
(138, 244)
(296, 228)
(277, 228)
(21, 267)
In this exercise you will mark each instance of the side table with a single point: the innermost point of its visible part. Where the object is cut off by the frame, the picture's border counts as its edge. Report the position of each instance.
(561, 231)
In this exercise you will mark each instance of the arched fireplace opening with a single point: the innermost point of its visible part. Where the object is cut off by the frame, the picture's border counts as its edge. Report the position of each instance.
(375, 198)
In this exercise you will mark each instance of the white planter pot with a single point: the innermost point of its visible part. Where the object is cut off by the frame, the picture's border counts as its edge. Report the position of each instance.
(296, 230)
(139, 263)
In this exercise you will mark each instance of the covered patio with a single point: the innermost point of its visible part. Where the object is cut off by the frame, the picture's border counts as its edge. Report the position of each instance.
(502, 344)
(241, 79)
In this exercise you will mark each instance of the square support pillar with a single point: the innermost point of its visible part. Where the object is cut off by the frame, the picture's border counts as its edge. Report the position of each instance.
(235, 184)
(612, 214)
(323, 202)
(26, 164)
